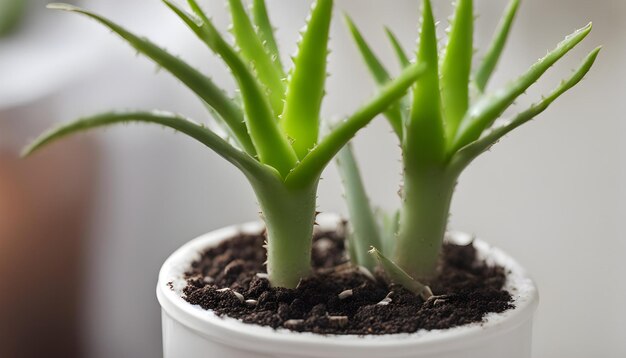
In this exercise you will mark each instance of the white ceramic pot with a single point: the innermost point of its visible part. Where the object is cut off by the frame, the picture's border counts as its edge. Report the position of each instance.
(192, 332)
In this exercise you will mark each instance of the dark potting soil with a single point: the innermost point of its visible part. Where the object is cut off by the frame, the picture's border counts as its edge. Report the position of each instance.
(339, 299)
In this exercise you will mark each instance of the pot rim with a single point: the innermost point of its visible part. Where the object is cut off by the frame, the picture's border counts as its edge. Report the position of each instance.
(235, 333)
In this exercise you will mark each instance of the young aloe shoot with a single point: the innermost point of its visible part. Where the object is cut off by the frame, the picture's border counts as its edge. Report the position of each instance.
(442, 129)
(275, 129)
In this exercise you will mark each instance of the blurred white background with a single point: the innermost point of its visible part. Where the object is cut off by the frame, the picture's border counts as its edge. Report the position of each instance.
(552, 194)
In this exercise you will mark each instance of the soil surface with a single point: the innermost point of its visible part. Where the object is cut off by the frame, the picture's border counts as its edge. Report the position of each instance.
(339, 299)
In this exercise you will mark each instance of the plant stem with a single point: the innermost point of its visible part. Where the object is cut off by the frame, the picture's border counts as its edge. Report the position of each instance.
(427, 195)
(289, 215)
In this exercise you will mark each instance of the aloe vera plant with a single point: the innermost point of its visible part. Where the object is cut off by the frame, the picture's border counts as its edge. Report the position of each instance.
(274, 128)
(444, 124)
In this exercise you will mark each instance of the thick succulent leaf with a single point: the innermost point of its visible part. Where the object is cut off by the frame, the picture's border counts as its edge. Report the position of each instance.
(424, 139)
(403, 58)
(202, 134)
(482, 115)
(266, 31)
(300, 119)
(457, 66)
(492, 57)
(466, 155)
(365, 232)
(398, 276)
(193, 79)
(272, 147)
(251, 45)
(380, 74)
(311, 167)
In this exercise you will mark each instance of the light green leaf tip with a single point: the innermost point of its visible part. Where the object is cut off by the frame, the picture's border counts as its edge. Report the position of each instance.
(380, 74)
(492, 57)
(403, 58)
(378, 70)
(62, 6)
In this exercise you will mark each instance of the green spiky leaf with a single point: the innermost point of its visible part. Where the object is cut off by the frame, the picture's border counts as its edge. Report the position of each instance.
(253, 50)
(300, 120)
(314, 163)
(272, 147)
(457, 66)
(490, 61)
(266, 31)
(380, 74)
(404, 62)
(472, 151)
(425, 140)
(377, 69)
(202, 134)
(193, 79)
(403, 58)
(482, 115)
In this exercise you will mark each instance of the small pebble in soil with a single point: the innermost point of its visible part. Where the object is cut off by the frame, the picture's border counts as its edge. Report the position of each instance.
(345, 294)
(239, 296)
(293, 323)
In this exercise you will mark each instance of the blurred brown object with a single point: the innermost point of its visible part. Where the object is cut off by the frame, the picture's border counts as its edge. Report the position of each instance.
(45, 203)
